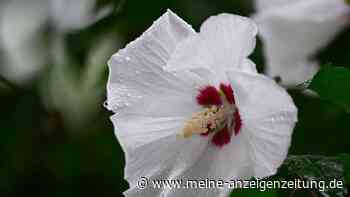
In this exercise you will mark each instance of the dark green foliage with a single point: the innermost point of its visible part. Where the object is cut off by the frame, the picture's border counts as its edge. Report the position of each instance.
(332, 83)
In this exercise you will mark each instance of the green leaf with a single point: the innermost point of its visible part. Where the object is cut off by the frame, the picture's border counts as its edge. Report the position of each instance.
(345, 160)
(332, 83)
(325, 169)
(314, 167)
(253, 193)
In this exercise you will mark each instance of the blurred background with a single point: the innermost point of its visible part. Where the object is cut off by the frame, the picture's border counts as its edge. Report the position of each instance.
(56, 138)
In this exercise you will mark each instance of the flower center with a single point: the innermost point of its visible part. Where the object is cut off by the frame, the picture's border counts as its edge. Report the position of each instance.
(219, 118)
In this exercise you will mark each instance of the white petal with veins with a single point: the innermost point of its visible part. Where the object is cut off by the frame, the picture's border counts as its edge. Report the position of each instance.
(268, 115)
(224, 42)
(137, 73)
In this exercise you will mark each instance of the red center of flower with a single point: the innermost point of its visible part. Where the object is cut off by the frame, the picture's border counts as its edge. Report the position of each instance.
(222, 97)
(209, 96)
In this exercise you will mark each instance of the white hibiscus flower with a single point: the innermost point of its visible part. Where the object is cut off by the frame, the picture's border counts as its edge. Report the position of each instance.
(293, 31)
(190, 106)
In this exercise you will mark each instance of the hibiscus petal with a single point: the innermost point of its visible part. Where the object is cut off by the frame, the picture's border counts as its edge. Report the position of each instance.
(249, 66)
(291, 72)
(151, 104)
(224, 42)
(269, 140)
(293, 32)
(268, 118)
(137, 74)
(153, 149)
(230, 162)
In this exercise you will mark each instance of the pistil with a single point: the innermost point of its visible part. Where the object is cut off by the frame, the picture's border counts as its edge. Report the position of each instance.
(219, 116)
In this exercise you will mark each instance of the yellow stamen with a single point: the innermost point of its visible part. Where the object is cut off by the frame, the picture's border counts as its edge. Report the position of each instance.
(210, 117)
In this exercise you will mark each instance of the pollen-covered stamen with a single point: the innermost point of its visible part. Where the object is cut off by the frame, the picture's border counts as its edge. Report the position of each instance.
(204, 121)
(219, 116)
